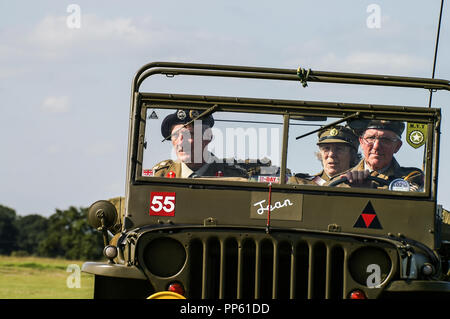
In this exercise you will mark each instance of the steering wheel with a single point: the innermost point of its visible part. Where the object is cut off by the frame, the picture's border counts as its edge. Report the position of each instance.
(344, 179)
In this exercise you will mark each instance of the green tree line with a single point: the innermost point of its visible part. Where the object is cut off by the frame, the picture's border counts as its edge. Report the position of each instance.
(65, 234)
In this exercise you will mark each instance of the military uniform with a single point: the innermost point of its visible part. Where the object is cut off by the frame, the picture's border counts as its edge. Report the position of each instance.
(163, 168)
(305, 179)
(412, 175)
(175, 169)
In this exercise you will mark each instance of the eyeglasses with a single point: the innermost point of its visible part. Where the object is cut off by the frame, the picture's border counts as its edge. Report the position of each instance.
(370, 140)
(187, 134)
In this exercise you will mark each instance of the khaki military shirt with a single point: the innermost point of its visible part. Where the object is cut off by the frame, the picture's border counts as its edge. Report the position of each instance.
(413, 175)
(181, 170)
(304, 179)
(163, 168)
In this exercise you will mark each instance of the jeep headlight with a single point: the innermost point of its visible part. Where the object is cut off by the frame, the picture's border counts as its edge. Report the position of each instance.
(164, 256)
(370, 266)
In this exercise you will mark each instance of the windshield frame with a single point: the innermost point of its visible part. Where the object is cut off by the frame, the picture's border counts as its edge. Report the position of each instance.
(288, 109)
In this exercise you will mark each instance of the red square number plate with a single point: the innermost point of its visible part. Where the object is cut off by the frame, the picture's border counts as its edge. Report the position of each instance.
(162, 204)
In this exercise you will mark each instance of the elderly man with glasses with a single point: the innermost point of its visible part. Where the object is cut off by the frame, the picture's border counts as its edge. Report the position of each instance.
(190, 146)
(379, 141)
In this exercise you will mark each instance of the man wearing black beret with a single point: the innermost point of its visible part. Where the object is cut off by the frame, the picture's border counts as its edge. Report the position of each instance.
(379, 141)
(190, 136)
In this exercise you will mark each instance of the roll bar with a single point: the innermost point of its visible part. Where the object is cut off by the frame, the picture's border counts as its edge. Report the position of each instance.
(299, 74)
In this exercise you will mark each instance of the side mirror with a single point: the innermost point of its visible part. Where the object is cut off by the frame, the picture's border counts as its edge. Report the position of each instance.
(102, 214)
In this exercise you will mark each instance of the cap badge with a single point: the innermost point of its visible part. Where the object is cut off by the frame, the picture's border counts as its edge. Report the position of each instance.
(181, 114)
(334, 132)
(193, 114)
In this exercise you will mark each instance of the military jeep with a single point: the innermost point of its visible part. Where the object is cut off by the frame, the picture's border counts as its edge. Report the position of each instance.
(241, 229)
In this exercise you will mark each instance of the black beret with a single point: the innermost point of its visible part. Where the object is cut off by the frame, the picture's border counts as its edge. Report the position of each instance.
(360, 126)
(183, 117)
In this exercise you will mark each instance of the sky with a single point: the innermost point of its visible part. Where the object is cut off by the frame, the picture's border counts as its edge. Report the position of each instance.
(66, 69)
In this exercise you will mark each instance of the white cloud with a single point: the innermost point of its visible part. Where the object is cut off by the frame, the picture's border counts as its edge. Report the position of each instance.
(56, 104)
(53, 37)
(54, 29)
(395, 62)
(367, 62)
(99, 39)
(9, 72)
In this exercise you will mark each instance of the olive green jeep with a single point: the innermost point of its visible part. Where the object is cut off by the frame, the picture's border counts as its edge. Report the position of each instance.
(231, 197)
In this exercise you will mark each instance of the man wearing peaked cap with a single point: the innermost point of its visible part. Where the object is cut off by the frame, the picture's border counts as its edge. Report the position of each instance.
(338, 151)
(379, 141)
(190, 141)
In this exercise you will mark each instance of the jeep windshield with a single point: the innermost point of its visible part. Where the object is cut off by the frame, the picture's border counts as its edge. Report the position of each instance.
(289, 144)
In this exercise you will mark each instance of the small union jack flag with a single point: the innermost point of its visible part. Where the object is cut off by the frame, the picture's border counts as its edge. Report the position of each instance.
(147, 172)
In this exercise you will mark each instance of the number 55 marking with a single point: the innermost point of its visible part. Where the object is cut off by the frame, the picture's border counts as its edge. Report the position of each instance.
(162, 204)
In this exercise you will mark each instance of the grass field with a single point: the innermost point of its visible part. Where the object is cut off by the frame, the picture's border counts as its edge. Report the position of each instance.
(43, 278)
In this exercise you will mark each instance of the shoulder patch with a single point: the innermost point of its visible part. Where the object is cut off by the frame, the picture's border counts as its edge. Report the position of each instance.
(161, 165)
(304, 176)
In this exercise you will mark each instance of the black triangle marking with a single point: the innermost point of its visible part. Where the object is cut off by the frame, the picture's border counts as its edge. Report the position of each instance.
(369, 209)
(360, 223)
(153, 116)
(375, 224)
